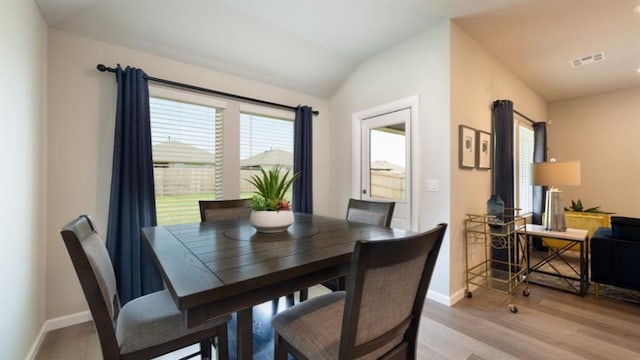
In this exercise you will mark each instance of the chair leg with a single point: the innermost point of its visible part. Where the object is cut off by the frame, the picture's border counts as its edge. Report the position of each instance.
(279, 352)
(291, 299)
(205, 349)
(222, 350)
(304, 294)
(596, 289)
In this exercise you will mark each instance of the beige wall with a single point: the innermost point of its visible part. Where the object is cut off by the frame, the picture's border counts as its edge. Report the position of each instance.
(23, 59)
(419, 65)
(477, 79)
(602, 133)
(81, 125)
(456, 81)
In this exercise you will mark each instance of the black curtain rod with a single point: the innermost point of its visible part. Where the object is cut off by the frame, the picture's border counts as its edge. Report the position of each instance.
(104, 68)
(524, 116)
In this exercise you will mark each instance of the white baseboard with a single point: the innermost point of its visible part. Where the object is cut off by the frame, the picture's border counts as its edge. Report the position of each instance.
(53, 324)
(458, 295)
(446, 300)
(67, 320)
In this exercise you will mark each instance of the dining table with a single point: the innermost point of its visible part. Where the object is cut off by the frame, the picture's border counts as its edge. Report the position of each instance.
(224, 267)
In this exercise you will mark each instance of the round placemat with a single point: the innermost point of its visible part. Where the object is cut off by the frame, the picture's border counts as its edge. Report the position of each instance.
(246, 232)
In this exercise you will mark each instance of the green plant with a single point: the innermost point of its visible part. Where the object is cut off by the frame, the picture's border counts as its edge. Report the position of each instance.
(271, 186)
(577, 206)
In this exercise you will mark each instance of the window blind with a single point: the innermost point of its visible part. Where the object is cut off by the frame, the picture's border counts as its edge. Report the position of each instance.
(525, 158)
(187, 157)
(264, 141)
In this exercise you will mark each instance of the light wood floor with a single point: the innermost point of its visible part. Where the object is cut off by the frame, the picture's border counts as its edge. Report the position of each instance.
(550, 324)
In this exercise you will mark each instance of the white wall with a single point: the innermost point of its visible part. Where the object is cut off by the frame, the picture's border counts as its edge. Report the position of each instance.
(23, 60)
(419, 65)
(81, 115)
(602, 133)
(477, 79)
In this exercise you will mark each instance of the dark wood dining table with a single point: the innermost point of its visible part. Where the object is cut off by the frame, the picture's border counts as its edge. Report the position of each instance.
(225, 267)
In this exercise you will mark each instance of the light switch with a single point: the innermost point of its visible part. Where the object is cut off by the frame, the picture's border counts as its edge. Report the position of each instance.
(433, 185)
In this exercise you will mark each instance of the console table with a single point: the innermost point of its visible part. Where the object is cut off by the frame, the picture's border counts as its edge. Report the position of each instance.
(575, 278)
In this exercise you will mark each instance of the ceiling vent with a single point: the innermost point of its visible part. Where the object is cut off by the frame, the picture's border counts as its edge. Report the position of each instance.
(589, 59)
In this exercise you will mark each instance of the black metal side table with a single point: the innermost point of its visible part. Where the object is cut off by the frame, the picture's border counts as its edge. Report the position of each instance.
(574, 278)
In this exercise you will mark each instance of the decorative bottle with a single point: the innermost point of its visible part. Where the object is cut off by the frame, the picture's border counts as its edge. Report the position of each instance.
(495, 209)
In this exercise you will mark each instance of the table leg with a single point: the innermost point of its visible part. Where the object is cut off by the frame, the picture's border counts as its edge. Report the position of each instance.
(584, 267)
(245, 334)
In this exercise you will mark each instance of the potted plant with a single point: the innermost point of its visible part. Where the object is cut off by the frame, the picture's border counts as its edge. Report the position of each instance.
(270, 211)
(576, 206)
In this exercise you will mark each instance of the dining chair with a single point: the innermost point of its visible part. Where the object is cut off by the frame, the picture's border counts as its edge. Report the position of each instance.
(370, 212)
(378, 316)
(367, 212)
(145, 327)
(212, 210)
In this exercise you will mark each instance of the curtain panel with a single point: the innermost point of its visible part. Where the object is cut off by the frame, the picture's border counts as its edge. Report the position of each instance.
(503, 181)
(303, 160)
(132, 202)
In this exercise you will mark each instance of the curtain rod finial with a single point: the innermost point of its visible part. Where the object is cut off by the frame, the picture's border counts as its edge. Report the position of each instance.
(104, 68)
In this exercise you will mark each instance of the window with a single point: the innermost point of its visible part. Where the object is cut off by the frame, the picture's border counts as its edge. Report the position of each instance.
(187, 157)
(264, 141)
(196, 137)
(523, 155)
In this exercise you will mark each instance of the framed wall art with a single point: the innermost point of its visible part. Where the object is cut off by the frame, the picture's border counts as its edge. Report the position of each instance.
(483, 150)
(467, 147)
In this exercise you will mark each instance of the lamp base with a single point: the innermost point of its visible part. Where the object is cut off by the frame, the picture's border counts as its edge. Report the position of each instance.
(554, 217)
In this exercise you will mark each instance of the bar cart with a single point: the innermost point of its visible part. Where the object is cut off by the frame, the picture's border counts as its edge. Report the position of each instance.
(486, 237)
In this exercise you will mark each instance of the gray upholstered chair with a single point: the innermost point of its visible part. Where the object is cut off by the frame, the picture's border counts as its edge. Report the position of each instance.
(145, 327)
(379, 314)
(212, 210)
(366, 212)
(370, 212)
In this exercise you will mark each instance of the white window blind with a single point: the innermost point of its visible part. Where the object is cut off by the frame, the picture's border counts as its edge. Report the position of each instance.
(525, 158)
(264, 141)
(187, 157)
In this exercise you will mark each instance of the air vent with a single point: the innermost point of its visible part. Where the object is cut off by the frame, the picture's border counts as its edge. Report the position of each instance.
(589, 59)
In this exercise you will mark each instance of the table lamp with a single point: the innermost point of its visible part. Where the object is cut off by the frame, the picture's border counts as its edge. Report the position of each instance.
(554, 174)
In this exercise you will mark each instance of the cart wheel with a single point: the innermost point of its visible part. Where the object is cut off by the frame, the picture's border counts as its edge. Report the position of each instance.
(513, 308)
(469, 294)
(526, 292)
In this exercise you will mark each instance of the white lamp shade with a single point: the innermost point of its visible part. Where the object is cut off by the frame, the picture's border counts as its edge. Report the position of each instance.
(556, 173)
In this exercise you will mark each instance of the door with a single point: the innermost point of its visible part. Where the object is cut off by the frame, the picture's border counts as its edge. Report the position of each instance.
(386, 163)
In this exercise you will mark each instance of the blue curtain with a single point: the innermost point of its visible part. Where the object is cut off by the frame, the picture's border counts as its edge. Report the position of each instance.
(132, 203)
(303, 160)
(503, 182)
(539, 155)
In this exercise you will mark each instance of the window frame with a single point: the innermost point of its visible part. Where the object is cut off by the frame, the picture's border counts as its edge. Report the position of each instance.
(230, 136)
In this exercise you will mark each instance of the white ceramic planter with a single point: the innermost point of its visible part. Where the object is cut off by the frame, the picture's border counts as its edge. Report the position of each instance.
(271, 221)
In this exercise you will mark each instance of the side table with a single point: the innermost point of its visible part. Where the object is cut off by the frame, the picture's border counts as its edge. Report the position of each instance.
(549, 263)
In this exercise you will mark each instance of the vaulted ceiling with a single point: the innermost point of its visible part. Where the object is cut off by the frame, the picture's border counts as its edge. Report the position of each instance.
(312, 46)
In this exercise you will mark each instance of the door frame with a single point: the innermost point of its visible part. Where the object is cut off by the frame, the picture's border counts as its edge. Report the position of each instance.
(411, 103)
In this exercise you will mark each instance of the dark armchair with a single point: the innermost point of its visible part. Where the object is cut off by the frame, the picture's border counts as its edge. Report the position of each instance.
(615, 254)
